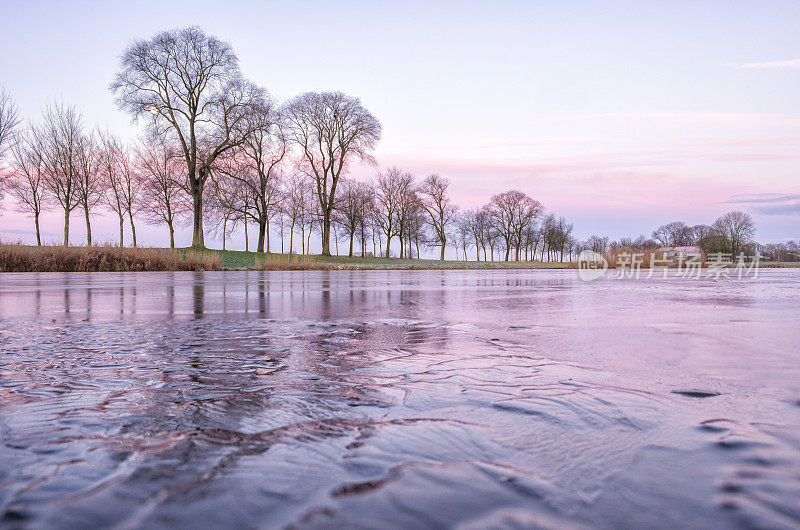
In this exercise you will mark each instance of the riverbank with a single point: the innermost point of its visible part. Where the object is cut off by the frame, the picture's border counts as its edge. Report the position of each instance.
(24, 258)
(107, 258)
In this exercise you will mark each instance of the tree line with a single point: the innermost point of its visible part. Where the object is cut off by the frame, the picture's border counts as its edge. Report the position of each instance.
(218, 153)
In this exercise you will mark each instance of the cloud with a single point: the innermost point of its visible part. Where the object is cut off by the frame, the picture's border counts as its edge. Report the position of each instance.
(770, 203)
(21, 232)
(761, 198)
(790, 63)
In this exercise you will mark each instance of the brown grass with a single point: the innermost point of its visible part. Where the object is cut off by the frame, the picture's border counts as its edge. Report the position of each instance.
(20, 258)
(616, 254)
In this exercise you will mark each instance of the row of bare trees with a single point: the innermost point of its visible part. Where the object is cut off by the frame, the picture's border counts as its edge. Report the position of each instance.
(218, 149)
(56, 162)
(188, 87)
(731, 233)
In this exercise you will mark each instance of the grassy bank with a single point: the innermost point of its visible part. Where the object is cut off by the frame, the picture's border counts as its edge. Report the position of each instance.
(235, 259)
(23, 258)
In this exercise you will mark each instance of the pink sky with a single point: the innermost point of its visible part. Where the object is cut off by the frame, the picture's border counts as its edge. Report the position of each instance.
(621, 116)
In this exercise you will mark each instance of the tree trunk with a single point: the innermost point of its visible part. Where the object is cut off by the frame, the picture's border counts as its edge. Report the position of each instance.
(198, 240)
(326, 232)
(38, 232)
(246, 236)
(352, 236)
(171, 235)
(121, 230)
(133, 228)
(66, 227)
(88, 225)
(267, 234)
(224, 231)
(261, 232)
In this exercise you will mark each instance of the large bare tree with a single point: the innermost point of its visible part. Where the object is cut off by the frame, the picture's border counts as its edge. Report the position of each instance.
(439, 207)
(190, 86)
(331, 130)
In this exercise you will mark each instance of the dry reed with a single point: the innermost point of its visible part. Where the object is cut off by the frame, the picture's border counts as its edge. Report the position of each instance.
(106, 258)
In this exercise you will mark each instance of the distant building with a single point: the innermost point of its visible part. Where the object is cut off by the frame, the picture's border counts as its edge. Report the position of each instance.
(681, 254)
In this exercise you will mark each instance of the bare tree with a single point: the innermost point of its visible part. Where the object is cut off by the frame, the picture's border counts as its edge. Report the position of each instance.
(121, 184)
(597, 244)
(331, 130)
(389, 189)
(310, 215)
(90, 185)
(110, 166)
(476, 221)
(461, 234)
(189, 83)
(353, 207)
(9, 122)
(27, 182)
(297, 195)
(158, 167)
(256, 164)
(510, 212)
(229, 203)
(674, 234)
(365, 219)
(736, 229)
(439, 207)
(61, 135)
(557, 235)
(408, 210)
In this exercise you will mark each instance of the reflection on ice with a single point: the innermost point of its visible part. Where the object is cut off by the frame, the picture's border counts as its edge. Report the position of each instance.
(408, 399)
